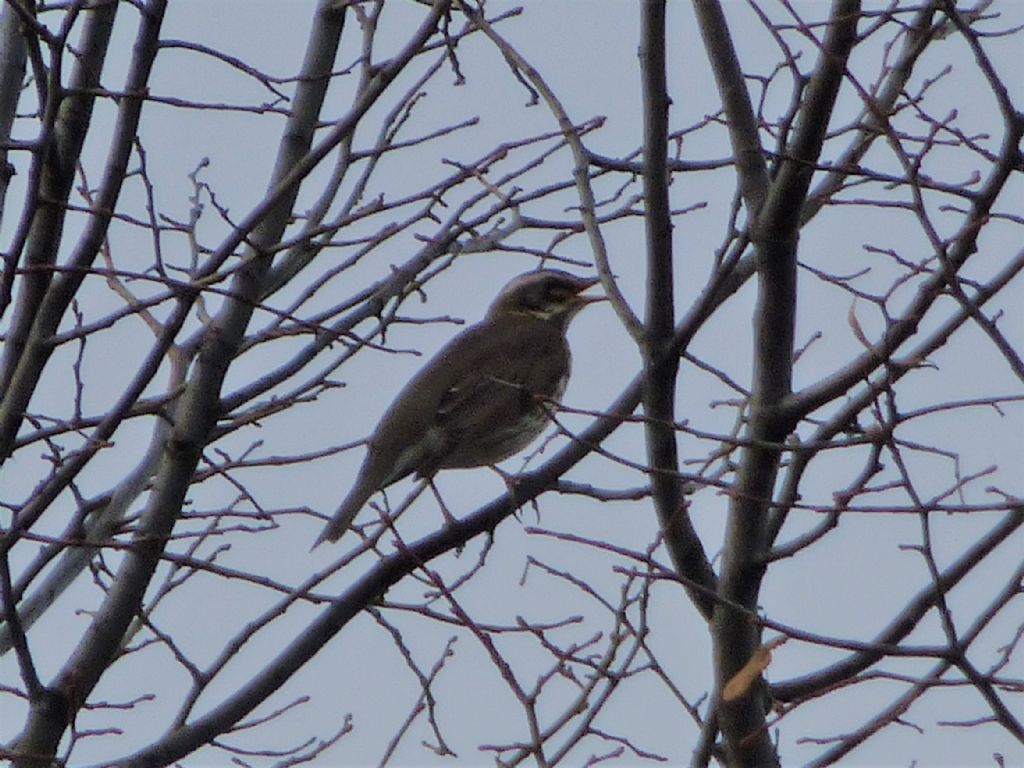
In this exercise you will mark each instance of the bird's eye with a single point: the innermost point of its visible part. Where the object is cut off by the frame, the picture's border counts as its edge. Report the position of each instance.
(555, 291)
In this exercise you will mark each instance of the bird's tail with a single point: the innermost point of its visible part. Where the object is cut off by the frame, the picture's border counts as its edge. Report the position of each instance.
(343, 518)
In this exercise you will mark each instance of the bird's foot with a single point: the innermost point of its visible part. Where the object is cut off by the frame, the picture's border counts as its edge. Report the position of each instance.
(449, 518)
(512, 487)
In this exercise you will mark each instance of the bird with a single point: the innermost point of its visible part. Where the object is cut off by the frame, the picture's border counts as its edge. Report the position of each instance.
(483, 397)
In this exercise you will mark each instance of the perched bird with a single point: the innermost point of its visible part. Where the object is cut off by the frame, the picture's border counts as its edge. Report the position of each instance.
(483, 397)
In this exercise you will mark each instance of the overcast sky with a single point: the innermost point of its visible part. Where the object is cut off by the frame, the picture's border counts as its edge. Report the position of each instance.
(587, 51)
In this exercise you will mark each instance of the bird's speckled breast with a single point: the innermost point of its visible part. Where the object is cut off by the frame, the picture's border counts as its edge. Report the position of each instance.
(507, 438)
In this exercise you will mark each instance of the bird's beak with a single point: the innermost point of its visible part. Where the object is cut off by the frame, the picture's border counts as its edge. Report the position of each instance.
(585, 284)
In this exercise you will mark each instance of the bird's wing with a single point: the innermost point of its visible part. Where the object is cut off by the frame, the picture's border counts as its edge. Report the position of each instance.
(498, 385)
(469, 390)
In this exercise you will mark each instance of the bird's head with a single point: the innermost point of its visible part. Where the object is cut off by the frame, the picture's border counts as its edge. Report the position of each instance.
(547, 294)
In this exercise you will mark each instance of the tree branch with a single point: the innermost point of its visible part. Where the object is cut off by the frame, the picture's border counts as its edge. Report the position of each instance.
(661, 368)
(774, 235)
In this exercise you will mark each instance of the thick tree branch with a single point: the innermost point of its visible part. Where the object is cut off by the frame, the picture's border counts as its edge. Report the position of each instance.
(25, 351)
(774, 235)
(751, 167)
(12, 70)
(660, 368)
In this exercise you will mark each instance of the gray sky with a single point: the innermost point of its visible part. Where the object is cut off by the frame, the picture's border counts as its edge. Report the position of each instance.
(846, 587)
